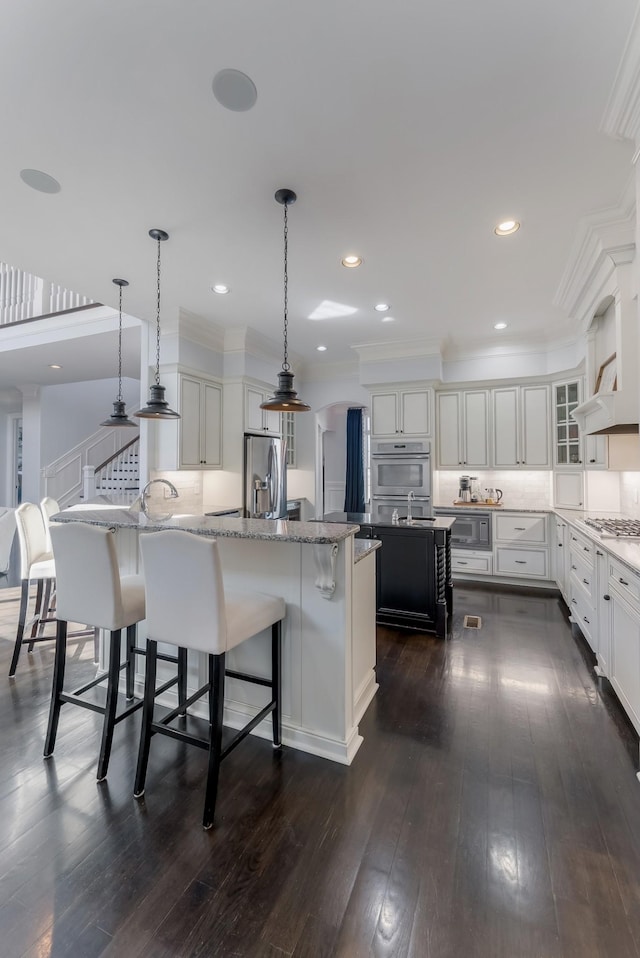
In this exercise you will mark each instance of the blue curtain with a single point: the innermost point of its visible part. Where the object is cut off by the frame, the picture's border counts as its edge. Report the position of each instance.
(354, 493)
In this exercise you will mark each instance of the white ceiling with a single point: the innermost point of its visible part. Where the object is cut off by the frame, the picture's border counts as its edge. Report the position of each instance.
(408, 130)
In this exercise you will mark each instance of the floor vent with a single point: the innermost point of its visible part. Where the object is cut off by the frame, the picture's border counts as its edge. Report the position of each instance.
(472, 622)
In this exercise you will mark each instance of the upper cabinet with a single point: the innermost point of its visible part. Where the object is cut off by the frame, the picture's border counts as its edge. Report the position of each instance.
(521, 421)
(463, 429)
(195, 440)
(399, 412)
(257, 419)
(567, 450)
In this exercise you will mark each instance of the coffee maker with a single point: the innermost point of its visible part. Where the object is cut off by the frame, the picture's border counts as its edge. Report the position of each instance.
(464, 492)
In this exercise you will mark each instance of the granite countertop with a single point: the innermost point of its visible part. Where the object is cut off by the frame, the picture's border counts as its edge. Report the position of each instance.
(362, 548)
(485, 507)
(370, 519)
(104, 513)
(626, 550)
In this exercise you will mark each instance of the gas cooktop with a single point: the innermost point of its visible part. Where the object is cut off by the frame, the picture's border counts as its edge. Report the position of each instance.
(614, 528)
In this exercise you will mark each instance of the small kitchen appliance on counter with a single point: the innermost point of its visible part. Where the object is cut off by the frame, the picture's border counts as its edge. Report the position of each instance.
(464, 492)
(492, 496)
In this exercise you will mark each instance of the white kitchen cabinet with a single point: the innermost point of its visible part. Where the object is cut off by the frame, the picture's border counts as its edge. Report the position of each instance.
(567, 447)
(561, 562)
(596, 452)
(568, 489)
(582, 586)
(259, 420)
(624, 671)
(398, 412)
(603, 613)
(195, 440)
(521, 545)
(471, 562)
(462, 429)
(521, 423)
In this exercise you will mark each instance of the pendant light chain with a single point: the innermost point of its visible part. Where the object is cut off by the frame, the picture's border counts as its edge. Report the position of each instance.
(120, 348)
(285, 364)
(158, 320)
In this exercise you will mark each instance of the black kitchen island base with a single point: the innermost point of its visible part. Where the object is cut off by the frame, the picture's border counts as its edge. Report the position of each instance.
(414, 587)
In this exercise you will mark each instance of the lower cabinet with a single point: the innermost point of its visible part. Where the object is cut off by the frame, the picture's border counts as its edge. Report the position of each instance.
(582, 586)
(624, 671)
(521, 545)
(471, 562)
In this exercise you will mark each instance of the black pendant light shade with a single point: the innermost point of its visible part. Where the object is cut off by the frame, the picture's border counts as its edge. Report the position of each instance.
(285, 398)
(157, 407)
(119, 415)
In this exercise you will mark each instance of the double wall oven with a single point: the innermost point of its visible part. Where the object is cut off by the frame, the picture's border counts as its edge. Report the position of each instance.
(397, 469)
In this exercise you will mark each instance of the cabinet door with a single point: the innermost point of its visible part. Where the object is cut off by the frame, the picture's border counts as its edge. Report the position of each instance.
(596, 452)
(625, 656)
(271, 421)
(190, 412)
(415, 413)
(253, 412)
(448, 430)
(534, 446)
(566, 438)
(211, 433)
(475, 445)
(384, 414)
(568, 490)
(505, 425)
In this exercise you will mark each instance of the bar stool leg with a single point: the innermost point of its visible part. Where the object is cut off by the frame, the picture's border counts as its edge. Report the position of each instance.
(216, 709)
(110, 707)
(37, 614)
(96, 646)
(147, 718)
(182, 680)
(131, 660)
(276, 681)
(44, 609)
(58, 684)
(24, 602)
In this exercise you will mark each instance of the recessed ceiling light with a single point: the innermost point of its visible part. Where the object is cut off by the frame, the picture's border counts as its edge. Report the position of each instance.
(40, 181)
(54, 366)
(321, 349)
(499, 325)
(381, 307)
(220, 288)
(507, 227)
(388, 319)
(351, 262)
(234, 90)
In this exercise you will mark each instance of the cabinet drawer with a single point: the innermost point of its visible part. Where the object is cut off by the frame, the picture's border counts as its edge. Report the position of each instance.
(466, 563)
(520, 528)
(524, 562)
(583, 613)
(624, 581)
(580, 544)
(581, 570)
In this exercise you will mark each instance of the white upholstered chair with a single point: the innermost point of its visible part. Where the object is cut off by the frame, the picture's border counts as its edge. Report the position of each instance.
(36, 565)
(48, 507)
(90, 589)
(187, 607)
(7, 535)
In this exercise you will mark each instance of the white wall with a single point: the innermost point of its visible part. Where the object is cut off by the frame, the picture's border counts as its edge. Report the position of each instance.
(73, 411)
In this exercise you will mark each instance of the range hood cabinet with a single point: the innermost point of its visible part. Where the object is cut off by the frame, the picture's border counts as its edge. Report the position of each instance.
(608, 414)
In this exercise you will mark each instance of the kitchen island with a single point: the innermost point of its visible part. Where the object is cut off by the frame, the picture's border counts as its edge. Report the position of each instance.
(328, 664)
(414, 587)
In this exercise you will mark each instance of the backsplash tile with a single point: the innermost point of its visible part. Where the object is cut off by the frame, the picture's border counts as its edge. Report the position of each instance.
(521, 489)
(629, 494)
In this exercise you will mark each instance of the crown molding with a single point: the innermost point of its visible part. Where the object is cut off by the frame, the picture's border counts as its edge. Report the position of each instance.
(605, 241)
(407, 349)
(514, 347)
(621, 118)
(245, 339)
(203, 332)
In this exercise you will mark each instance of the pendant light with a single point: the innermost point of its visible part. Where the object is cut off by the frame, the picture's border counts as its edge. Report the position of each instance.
(157, 407)
(119, 416)
(285, 397)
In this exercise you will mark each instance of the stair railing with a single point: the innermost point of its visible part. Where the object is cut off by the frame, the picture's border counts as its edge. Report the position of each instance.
(118, 474)
(63, 479)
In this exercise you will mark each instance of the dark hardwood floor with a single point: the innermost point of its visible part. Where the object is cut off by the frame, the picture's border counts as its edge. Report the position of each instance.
(492, 812)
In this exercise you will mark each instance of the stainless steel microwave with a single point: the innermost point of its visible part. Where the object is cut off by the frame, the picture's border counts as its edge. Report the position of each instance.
(470, 530)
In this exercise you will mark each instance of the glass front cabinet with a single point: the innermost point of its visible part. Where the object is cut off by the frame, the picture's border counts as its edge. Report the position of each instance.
(567, 448)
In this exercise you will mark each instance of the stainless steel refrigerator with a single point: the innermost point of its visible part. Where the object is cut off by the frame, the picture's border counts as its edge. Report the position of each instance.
(265, 477)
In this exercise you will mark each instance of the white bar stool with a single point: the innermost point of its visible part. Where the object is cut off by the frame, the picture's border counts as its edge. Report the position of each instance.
(48, 507)
(187, 606)
(90, 589)
(36, 564)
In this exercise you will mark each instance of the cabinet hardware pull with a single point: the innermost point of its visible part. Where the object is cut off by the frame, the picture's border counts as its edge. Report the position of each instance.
(519, 529)
(585, 619)
(586, 549)
(586, 581)
(574, 567)
(598, 553)
(592, 460)
(462, 563)
(575, 601)
(559, 545)
(520, 562)
(607, 598)
(622, 581)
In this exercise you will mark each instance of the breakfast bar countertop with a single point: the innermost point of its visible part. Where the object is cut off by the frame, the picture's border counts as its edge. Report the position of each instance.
(102, 513)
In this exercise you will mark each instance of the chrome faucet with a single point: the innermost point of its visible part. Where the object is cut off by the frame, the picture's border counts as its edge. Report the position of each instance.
(410, 497)
(173, 492)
